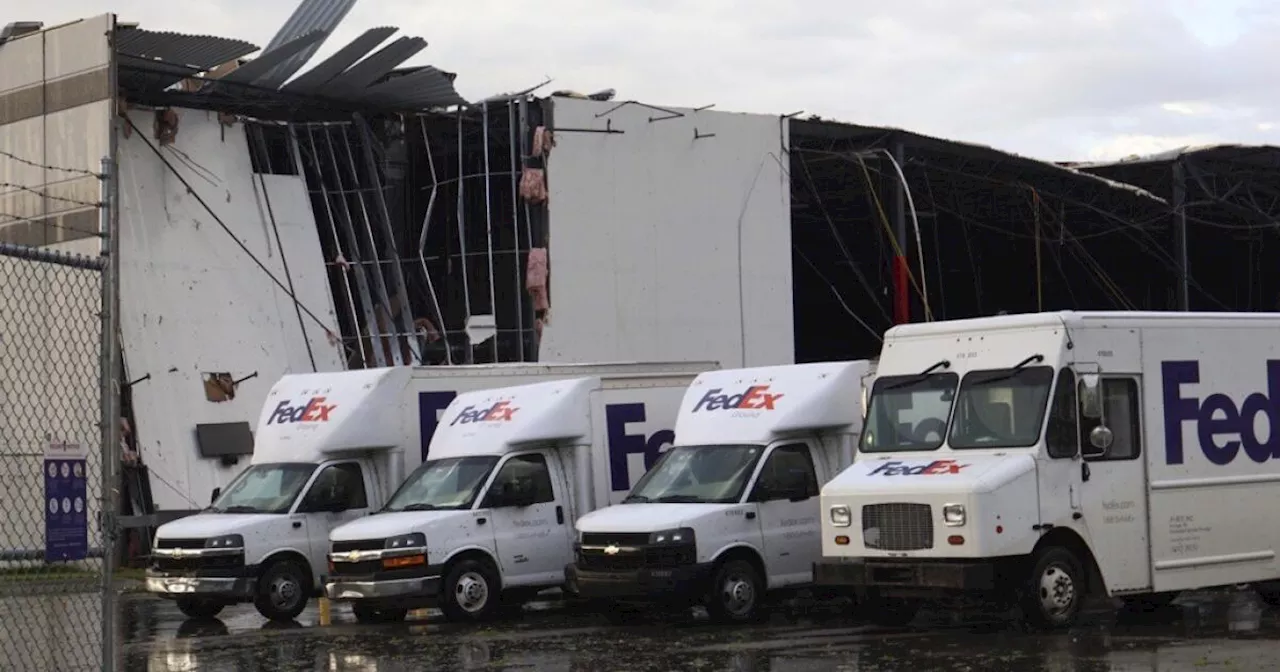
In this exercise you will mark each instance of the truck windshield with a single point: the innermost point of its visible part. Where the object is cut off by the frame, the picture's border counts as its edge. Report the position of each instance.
(1002, 408)
(451, 483)
(908, 413)
(715, 474)
(264, 488)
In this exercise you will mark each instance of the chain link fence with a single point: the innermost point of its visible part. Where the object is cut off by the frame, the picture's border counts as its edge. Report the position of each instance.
(55, 561)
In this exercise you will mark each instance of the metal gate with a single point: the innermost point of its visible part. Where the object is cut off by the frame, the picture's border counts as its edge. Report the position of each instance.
(59, 456)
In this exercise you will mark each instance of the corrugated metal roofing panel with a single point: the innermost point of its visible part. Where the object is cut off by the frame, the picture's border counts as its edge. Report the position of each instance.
(428, 87)
(311, 15)
(254, 70)
(368, 71)
(341, 60)
(198, 51)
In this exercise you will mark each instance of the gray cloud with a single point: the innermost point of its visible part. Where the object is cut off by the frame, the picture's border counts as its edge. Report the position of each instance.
(1080, 79)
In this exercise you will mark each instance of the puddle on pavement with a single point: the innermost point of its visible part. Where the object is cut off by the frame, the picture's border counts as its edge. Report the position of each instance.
(1231, 630)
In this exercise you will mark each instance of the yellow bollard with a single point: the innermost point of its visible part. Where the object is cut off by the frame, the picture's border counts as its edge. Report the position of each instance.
(326, 615)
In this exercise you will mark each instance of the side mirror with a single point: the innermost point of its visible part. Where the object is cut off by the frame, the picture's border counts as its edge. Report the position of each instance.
(217, 492)
(1100, 440)
(1090, 395)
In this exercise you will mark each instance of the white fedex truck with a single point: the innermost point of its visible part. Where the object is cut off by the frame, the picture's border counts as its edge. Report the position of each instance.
(731, 510)
(330, 448)
(487, 521)
(1037, 458)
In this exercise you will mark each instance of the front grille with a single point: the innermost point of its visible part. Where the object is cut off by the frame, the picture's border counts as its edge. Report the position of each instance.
(362, 568)
(615, 538)
(180, 543)
(361, 545)
(626, 560)
(897, 526)
(165, 564)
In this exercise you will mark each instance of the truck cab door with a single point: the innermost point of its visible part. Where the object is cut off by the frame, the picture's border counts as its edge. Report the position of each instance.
(786, 494)
(528, 503)
(338, 493)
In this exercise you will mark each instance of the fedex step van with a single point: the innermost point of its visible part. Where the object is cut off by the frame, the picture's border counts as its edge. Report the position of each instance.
(731, 510)
(330, 448)
(1038, 458)
(487, 521)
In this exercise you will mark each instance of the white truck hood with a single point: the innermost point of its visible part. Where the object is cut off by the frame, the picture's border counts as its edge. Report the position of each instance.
(384, 525)
(207, 525)
(925, 473)
(647, 517)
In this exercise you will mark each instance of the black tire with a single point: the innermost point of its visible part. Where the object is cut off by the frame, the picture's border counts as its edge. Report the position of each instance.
(735, 592)
(1055, 590)
(471, 592)
(369, 616)
(1270, 594)
(887, 612)
(200, 609)
(282, 591)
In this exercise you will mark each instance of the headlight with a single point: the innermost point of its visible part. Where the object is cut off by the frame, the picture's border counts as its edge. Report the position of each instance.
(840, 516)
(683, 535)
(225, 541)
(415, 540)
(953, 515)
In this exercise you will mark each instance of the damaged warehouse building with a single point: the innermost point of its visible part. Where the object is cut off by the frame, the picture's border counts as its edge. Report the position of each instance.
(358, 212)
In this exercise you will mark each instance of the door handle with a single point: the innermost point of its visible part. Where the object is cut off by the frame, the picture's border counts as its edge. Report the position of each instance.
(1084, 471)
(481, 521)
(751, 515)
(559, 515)
(297, 524)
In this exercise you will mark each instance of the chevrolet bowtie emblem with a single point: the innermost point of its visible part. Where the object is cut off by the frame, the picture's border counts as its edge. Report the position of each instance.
(611, 549)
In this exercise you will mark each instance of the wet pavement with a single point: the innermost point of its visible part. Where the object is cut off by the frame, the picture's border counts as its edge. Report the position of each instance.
(1224, 631)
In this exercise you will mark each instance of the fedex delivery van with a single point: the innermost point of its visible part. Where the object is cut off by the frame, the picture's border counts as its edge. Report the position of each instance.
(731, 511)
(331, 448)
(1040, 458)
(487, 521)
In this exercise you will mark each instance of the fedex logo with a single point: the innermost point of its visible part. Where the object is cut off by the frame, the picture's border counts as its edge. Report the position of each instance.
(931, 469)
(1222, 426)
(501, 411)
(622, 445)
(754, 398)
(315, 410)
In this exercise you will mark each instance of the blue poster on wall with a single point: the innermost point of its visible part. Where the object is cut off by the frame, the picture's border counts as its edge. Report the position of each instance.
(66, 506)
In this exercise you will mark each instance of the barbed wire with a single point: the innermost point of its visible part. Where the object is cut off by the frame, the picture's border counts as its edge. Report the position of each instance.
(36, 164)
(46, 194)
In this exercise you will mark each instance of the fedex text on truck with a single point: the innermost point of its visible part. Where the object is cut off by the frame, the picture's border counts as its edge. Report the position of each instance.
(896, 468)
(1223, 426)
(314, 410)
(754, 398)
(501, 411)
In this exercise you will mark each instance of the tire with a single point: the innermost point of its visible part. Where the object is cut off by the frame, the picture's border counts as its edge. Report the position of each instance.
(282, 591)
(1055, 589)
(1269, 593)
(369, 616)
(198, 609)
(887, 612)
(471, 592)
(735, 592)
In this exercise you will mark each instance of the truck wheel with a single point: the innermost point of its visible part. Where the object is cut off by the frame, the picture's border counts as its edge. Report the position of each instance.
(370, 616)
(282, 591)
(887, 612)
(1056, 589)
(199, 609)
(736, 589)
(470, 592)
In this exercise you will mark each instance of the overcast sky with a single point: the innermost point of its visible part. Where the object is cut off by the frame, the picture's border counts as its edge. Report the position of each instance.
(1064, 79)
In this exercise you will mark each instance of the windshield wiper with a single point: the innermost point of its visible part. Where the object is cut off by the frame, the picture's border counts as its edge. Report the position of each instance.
(632, 499)
(679, 499)
(943, 364)
(241, 508)
(1037, 358)
(420, 507)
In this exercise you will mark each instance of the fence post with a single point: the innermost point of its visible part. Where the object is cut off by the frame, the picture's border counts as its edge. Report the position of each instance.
(109, 362)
